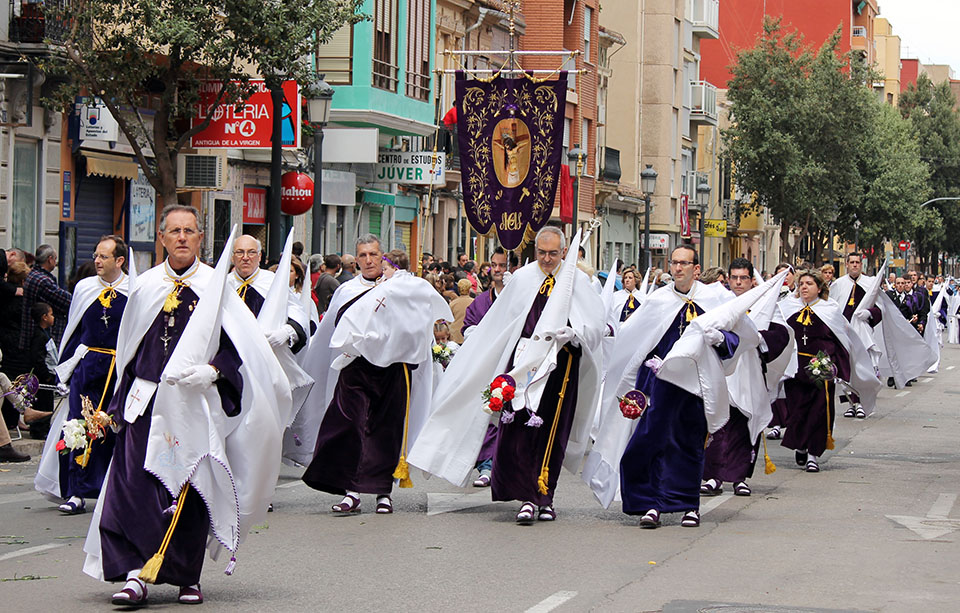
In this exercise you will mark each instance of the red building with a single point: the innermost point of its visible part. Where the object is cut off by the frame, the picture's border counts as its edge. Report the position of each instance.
(741, 23)
(909, 71)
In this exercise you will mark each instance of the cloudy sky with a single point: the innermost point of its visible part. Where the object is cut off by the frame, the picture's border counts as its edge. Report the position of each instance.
(927, 29)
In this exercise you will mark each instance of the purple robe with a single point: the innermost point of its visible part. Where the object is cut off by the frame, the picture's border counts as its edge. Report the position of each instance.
(89, 379)
(662, 465)
(858, 293)
(520, 449)
(361, 435)
(807, 400)
(731, 455)
(478, 308)
(133, 523)
(254, 301)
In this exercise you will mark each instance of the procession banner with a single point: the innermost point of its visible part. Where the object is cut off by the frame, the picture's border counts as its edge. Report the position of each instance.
(510, 133)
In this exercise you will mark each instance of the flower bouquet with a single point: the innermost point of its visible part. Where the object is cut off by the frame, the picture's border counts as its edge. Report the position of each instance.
(81, 433)
(633, 404)
(500, 391)
(441, 354)
(22, 391)
(821, 368)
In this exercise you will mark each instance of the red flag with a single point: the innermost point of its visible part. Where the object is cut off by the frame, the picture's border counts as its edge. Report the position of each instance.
(450, 119)
(566, 194)
(685, 216)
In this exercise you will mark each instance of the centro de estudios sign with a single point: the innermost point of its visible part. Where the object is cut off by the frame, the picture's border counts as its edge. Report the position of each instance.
(410, 168)
(248, 124)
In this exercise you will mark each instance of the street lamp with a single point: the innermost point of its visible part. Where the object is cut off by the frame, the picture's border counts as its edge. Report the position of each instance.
(648, 184)
(576, 156)
(703, 200)
(856, 234)
(319, 99)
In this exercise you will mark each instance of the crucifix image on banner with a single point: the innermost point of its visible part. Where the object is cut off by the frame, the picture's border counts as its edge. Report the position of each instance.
(510, 137)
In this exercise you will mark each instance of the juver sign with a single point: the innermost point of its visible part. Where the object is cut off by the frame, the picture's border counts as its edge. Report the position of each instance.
(249, 123)
(411, 168)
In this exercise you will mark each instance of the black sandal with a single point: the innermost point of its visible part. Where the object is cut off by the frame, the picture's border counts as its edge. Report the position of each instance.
(525, 514)
(546, 513)
(650, 519)
(384, 505)
(349, 504)
(740, 488)
(691, 519)
(711, 487)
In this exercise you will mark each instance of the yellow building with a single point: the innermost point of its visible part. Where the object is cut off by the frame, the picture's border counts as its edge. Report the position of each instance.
(887, 87)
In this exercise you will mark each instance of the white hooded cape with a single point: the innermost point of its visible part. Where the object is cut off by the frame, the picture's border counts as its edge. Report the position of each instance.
(450, 441)
(230, 461)
(933, 330)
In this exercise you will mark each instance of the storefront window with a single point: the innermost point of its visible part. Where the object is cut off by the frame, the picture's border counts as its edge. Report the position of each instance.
(25, 205)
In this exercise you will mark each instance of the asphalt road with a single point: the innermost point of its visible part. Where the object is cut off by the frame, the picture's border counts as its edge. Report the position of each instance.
(876, 530)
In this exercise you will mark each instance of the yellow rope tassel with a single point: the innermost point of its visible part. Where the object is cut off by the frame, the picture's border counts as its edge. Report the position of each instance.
(804, 317)
(85, 458)
(853, 292)
(82, 460)
(402, 471)
(768, 466)
(547, 286)
(544, 479)
(691, 311)
(826, 389)
(172, 301)
(148, 573)
(107, 296)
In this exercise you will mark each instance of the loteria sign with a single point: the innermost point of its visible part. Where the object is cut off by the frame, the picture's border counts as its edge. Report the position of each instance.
(248, 124)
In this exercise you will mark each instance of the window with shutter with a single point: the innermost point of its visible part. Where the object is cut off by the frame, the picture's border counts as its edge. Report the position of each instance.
(335, 58)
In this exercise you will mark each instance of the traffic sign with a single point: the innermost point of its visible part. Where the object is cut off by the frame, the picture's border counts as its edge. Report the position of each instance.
(904, 245)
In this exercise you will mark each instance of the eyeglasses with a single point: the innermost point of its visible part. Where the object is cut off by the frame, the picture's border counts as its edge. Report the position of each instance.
(250, 253)
(680, 263)
(185, 231)
(97, 256)
(740, 277)
(542, 253)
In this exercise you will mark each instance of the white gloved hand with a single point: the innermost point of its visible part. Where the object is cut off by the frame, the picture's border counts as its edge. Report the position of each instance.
(713, 337)
(862, 315)
(564, 335)
(654, 364)
(202, 376)
(62, 389)
(284, 335)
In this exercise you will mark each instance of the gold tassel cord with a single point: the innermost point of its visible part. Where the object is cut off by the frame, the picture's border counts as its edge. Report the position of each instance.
(853, 291)
(173, 298)
(85, 458)
(547, 286)
(244, 285)
(402, 472)
(543, 480)
(804, 317)
(826, 389)
(151, 569)
(769, 467)
(691, 310)
(107, 296)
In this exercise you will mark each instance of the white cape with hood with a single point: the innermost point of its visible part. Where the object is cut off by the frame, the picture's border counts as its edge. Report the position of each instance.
(933, 330)
(450, 441)
(87, 291)
(230, 461)
(862, 376)
(706, 378)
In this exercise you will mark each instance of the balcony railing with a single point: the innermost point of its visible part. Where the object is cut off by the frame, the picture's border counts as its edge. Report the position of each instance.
(448, 143)
(611, 165)
(705, 17)
(385, 75)
(859, 31)
(703, 102)
(28, 24)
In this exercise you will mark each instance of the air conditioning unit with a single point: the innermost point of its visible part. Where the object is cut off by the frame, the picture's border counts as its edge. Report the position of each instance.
(201, 171)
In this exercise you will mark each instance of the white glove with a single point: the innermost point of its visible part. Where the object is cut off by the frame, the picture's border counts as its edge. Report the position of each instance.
(202, 376)
(564, 335)
(713, 337)
(654, 364)
(284, 335)
(862, 315)
(62, 389)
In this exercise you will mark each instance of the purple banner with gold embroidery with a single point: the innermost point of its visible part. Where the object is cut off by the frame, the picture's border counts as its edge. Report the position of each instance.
(510, 133)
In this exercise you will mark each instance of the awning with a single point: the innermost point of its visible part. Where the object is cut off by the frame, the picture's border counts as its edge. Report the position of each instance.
(108, 165)
(407, 207)
(372, 196)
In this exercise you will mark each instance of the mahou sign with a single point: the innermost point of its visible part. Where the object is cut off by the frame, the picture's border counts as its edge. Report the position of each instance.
(296, 193)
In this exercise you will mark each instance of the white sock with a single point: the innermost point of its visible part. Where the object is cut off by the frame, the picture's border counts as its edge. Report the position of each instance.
(134, 574)
(76, 500)
(814, 458)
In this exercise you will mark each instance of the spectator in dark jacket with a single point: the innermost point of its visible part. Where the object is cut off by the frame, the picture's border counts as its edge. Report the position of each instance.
(41, 286)
(327, 282)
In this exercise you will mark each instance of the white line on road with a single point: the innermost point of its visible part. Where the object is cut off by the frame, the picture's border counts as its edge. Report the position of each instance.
(926, 380)
(27, 551)
(950, 367)
(941, 508)
(903, 393)
(8, 498)
(447, 503)
(551, 602)
(291, 484)
(714, 502)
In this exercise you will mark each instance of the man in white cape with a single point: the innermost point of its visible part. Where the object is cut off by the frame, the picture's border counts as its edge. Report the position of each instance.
(382, 368)
(544, 331)
(677, 353)
(87, 355)
(197, 413)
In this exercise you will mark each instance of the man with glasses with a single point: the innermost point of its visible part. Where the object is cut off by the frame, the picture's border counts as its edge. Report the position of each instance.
(547, 316)
(658, 466)
(196, 412)
(252, 283)
(87, 358)
(734, 449)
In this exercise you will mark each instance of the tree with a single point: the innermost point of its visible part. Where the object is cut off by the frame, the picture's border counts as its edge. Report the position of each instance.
(801, 135)
(124, 51)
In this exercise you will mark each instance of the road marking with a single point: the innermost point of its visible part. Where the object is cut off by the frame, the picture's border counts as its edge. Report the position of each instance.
(903, 393)
(8, 498)
(447, 503)
(713, 502)
(926, 380)
(950, 367)
(937, 522)
(291, 484)
(27, 551)
(551, 602)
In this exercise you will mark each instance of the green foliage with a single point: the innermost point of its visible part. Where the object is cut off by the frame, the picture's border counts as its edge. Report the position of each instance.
(126, 52)
(817, 147)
